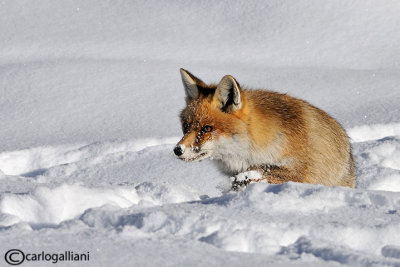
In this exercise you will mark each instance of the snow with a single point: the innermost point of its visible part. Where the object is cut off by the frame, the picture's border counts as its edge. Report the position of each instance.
(373, 132)
(90, 94)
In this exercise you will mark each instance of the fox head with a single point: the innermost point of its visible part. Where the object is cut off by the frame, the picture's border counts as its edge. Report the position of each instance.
(214, 116)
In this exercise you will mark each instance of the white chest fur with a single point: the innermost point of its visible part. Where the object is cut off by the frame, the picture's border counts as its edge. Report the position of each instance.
(237, 154)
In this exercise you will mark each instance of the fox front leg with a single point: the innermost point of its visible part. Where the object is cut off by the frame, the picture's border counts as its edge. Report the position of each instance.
(265, 174)
(241, 180)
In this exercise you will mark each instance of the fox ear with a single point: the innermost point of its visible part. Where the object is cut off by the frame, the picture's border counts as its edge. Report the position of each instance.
(191, 84)
(227, 95)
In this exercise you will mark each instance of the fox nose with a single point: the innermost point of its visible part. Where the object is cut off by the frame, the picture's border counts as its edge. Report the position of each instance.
(178, 150)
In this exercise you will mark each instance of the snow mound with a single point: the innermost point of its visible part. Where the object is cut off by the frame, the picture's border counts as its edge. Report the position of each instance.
(372, 132)
(52, 206)
(281, 215)
(339, 254)
(378, 164)
(45, 206)
(30, 162)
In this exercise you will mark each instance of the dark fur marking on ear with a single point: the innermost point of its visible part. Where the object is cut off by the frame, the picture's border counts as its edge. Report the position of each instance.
(228, 103)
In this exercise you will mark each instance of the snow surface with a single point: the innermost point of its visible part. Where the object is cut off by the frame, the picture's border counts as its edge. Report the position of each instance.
(90, 94)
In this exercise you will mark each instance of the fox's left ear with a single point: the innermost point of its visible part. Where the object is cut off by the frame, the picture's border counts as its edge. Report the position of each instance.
(227, 95)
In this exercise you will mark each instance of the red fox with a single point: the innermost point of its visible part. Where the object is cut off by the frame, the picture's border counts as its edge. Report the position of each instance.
(280, 137)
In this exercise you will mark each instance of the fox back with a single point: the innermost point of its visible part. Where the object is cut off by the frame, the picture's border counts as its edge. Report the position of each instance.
(281, 137)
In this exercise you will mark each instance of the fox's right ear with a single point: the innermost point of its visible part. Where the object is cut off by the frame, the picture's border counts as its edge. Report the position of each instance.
(191, 84)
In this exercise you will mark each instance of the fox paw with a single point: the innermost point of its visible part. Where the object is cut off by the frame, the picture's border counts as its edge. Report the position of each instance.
(241, 180)
(238, 185)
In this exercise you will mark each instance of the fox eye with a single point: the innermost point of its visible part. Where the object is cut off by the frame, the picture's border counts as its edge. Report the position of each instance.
(207, 128)
(185, 127)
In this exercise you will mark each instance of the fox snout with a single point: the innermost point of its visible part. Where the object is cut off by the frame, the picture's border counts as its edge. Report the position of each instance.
(191, 153)
(179, 149)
